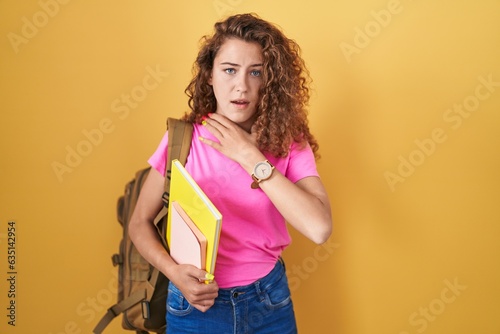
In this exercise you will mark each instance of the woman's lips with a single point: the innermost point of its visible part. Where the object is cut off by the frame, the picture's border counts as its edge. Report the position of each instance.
(240, 103)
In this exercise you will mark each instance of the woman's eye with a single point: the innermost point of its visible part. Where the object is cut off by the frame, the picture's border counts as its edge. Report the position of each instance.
(230, 70)
(255, 73)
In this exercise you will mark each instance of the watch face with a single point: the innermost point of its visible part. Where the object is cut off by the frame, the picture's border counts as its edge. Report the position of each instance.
(262, 170)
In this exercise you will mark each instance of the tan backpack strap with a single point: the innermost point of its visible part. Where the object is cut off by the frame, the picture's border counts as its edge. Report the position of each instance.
(118, 309)
(180, 134)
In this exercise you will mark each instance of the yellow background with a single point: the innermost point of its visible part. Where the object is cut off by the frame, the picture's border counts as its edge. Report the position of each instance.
(414, 183)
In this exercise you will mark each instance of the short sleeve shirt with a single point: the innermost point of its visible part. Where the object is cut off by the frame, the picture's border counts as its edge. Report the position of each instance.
(254, 233)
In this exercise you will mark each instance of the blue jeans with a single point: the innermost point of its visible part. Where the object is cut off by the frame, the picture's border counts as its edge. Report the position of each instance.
(264, 306)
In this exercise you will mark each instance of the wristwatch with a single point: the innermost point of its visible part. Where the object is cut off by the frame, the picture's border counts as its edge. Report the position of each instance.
(261, 171)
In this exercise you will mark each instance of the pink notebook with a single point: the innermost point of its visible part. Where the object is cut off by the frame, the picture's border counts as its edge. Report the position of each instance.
(187, 244)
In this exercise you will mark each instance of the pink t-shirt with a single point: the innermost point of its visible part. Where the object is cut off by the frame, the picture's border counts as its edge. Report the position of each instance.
(253, 232)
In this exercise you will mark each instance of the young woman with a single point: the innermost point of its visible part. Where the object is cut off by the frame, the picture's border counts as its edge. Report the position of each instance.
(253, 155)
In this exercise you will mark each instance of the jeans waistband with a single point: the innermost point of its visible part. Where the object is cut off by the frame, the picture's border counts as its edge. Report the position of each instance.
(255, 288)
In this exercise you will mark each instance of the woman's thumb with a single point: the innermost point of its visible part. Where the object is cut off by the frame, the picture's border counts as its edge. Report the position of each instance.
(206, 277)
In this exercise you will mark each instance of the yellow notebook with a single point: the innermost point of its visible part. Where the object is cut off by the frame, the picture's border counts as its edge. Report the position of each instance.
(185, 191)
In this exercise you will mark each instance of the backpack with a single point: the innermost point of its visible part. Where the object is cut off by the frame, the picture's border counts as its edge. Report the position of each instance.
(142, 289)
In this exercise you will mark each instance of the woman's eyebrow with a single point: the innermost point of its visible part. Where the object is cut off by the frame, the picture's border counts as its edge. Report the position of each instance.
(237, 65)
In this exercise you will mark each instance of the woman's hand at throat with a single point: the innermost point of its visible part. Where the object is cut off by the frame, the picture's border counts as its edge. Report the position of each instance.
(233, 141)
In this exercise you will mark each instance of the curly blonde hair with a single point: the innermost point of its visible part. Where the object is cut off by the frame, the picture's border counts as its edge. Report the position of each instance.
(284, 94)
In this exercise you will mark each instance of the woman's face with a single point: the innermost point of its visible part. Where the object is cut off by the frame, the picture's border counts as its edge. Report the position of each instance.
(236, 80)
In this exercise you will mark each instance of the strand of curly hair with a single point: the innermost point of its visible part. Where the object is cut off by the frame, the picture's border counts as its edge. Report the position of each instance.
(284, 95)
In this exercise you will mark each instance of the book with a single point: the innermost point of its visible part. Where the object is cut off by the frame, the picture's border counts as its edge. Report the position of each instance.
(187, 243)
(185, 191)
